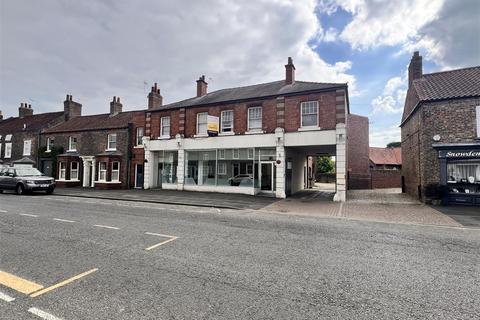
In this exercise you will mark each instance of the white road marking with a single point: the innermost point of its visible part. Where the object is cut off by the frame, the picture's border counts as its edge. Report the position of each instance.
(108, 227)
(6, 297)
(160, 235)
(63, 220)
(3, 211)
(42, 314)
(29, 215)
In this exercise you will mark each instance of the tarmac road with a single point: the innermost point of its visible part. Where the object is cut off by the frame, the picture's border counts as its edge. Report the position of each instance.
(77, 258)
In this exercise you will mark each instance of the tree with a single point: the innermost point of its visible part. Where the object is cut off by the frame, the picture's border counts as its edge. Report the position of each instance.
(394, 144)
(325, 164)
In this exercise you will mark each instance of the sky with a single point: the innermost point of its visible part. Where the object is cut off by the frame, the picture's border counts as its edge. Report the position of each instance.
(95, 50)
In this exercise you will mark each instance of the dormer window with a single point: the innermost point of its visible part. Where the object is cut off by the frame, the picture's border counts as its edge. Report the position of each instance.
(72, 144)
(309, 114)
(112, 142)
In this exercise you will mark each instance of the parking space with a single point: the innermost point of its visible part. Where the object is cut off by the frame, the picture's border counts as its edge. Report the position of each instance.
(464, 215)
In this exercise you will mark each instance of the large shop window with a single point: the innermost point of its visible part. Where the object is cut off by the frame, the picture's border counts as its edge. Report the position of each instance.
(200, 167)
(464, 176)
(167, 167)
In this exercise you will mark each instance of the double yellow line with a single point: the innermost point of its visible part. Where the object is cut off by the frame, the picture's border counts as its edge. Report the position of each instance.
(34, 289)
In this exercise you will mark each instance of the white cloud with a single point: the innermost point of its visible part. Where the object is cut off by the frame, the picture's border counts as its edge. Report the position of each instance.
(95, 50)
(393, 97)
(446, 31)
(380, 137)
(385, 104)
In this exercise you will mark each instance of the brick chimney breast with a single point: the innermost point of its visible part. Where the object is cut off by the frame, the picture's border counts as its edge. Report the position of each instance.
(71, 109)
(25, 110)
(155, 99)
(415, 69)
(289, 72)
(115, 106)
(201, 86)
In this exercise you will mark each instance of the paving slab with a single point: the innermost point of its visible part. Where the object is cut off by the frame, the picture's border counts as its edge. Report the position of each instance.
(190, 198)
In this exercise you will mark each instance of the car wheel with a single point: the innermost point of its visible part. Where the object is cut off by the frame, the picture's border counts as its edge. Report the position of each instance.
(19, 189)
(49, 191)
(1, 191)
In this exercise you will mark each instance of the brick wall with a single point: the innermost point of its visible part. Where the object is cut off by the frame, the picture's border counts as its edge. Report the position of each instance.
(358, 160)
(453, 120)
(137, 152)
(386, 179)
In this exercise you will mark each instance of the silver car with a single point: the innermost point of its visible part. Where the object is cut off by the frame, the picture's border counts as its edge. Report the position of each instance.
(25, 179)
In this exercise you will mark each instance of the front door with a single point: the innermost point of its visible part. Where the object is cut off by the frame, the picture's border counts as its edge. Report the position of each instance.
(266, 176)
(139, 176)
(47, 167)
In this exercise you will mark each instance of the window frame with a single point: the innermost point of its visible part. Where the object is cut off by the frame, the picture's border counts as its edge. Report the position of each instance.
(221, 154)
(62, 170)
(137, 136)
(249, 129)
(222, 128)
(162, 126)
(25, 143)
(102, 171)
(252, 155)
(235, 153)
(8, 137)
(70, 139)
(110, 140)
(304, 103)
(117, 172)
(50, 143)
(8, 147)
(222, 165)
(206, 124)
(74, 170)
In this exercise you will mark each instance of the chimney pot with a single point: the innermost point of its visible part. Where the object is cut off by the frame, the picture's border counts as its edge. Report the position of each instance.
(202, 86)
(115, 106)
(155, 99)
(25, 110)
(71, 109)
(289, 71)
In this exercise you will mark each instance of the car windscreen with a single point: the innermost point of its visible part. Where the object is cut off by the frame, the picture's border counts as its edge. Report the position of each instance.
(28, 172)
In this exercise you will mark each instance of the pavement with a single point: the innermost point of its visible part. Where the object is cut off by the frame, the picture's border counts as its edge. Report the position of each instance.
(190, 198)
(111, 259)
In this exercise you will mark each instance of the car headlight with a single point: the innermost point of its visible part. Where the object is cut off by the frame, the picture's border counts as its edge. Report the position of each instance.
(30, 182)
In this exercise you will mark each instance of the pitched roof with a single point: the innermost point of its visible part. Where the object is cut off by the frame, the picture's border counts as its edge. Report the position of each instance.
(95, 122)
(276, 88)
(460, 83)
(30, 123)
(392, 156)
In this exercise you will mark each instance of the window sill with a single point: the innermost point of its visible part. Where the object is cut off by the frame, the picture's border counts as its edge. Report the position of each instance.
(164, 138)
(226, 134)
(110, 149)
(108, 182)
(48, 151)
(73, 150)
(138, 147)
(313, 128)
(63, 180)
(255, 132)
(201, 136)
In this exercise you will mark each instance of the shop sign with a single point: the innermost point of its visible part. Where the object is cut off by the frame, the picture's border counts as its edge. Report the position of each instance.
(459, 154)
(212, 126)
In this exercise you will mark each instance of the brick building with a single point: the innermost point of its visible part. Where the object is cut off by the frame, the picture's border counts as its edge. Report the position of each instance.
(19, 135)
(441, 134)
(91, 151)
(357, 152)
(253, 139)
(386, 167)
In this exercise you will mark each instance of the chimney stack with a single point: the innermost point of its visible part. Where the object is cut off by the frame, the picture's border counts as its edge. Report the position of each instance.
(289, 72)
(115, 106)
(25, 110)
(415, 69)
(155, 99)
(71, 109)
(201, 86)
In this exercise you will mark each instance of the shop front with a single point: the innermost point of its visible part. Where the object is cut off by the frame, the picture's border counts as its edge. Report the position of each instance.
(460, 172)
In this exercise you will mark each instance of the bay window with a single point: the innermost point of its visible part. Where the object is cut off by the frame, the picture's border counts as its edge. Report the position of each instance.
(74, 170)
(62, 169)
(102, 172)
(116, 171)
